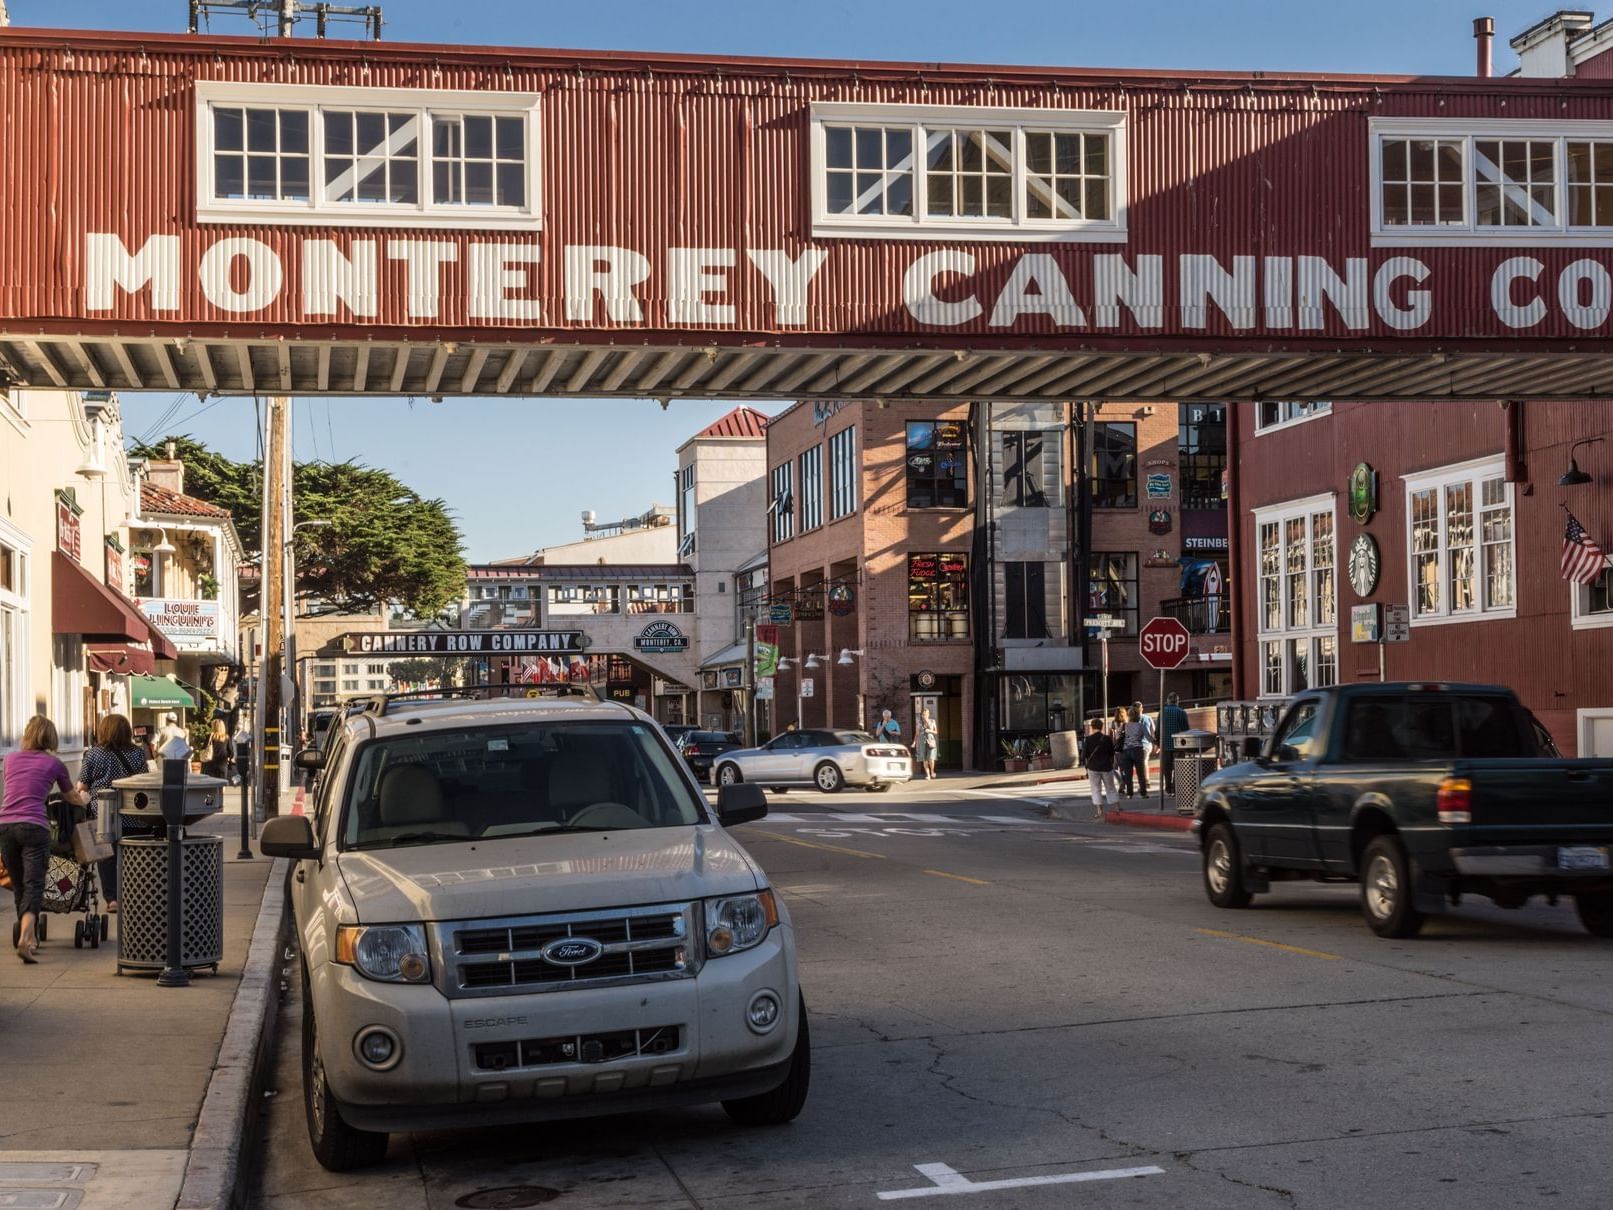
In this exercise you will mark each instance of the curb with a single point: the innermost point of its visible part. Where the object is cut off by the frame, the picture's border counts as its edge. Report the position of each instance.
(1140, 819)
(215, 1170)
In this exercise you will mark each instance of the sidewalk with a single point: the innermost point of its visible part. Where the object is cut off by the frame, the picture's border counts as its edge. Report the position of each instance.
(1136, 813)
(105, 1075)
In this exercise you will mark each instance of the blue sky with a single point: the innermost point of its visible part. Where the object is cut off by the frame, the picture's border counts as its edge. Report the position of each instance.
(517, 473)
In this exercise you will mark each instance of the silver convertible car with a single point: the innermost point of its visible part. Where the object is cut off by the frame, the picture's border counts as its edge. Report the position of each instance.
(828, 760)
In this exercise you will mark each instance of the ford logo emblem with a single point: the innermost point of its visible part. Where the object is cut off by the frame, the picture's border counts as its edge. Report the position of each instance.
(572, 951)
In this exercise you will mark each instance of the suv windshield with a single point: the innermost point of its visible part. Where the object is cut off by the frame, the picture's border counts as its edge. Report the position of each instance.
(487, 782)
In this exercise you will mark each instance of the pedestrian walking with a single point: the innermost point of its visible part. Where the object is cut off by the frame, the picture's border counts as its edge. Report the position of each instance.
(1117, 738)
(1172, 722)
(114, 755)
(219, 754)
(1098, 755)
(1138, 745)
(171, 742)
(889, 730)
(29, 774)
(924, 745)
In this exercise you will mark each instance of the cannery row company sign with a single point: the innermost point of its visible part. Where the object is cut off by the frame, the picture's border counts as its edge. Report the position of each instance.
(313, 279)
(463, 642)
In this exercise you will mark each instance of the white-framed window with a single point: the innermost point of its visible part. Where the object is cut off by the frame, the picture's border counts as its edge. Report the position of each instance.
(1495, 182)
(919, 171)
(1280, 414)
(811, 488)
(843, 472)
(781, 503)
(1296, 552)
(15, 706)
(1592, 604)
(14, 408)
(337, 156)
(1461, 562)
(686, 511)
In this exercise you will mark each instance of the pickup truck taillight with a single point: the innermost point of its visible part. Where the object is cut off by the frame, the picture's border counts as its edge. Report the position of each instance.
(1455, 800)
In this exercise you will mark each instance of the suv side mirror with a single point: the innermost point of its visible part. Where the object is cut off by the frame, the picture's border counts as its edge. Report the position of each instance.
(740, 803)
(289, 836)
(311, 759)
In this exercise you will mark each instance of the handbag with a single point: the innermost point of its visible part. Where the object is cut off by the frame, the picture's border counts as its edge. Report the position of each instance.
(87, 847)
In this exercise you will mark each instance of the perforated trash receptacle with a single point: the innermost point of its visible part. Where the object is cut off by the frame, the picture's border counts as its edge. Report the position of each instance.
(143, 904)
(1194, 752)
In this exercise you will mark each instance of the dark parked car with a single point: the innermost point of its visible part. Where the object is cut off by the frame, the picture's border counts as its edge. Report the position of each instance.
(700, 748)
(1419, 792)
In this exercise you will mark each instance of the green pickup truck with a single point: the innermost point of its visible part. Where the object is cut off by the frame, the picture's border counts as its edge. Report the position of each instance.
(1421, 793)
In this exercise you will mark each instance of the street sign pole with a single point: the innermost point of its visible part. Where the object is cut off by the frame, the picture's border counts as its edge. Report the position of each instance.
(1159, 714)
(1164, 643)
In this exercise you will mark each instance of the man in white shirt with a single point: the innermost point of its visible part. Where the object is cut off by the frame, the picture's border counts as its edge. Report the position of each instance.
(172, 743)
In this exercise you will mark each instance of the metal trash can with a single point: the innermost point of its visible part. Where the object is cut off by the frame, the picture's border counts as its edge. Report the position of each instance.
(143, 878)
(1194, 753)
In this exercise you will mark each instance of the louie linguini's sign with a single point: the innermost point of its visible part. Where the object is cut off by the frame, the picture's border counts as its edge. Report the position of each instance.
(189, 625)
(462, 642)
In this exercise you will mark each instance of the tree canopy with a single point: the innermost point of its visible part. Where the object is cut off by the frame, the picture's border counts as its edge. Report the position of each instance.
(385, 543)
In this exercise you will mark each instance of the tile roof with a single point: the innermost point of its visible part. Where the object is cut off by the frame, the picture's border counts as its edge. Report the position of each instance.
(741, 422)
(154, 499)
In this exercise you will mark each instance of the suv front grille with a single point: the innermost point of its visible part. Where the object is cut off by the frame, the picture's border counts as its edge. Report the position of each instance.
(585, 1048)
(486, 957)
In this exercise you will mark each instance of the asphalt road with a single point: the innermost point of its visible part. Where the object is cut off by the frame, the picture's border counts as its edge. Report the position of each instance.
(1016, 998)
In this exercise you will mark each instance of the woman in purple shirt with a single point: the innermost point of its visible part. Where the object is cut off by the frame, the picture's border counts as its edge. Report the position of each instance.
(29, 775)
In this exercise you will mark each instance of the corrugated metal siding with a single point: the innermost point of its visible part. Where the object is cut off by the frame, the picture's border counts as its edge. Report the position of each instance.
(1553, 667)
(99, 137)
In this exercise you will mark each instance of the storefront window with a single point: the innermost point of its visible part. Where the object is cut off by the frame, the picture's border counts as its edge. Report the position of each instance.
(1114, 587)
(937, 464)
(938, 596)
(1114, 465)
(1202, 445)
(1040, 704)
(1025, 600)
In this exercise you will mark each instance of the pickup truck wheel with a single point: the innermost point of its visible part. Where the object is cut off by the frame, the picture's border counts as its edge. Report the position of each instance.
(337, 1146)
(1596, 912)
(1223, 869)
(1386, 889)
(785, 1102)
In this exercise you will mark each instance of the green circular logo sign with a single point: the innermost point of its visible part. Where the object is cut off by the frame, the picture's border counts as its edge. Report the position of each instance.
(1363, 493)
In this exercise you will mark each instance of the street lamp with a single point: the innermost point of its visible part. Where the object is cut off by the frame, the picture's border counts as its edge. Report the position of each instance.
(1573, 476)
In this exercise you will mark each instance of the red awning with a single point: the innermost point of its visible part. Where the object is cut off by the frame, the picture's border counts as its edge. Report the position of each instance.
(82, 605)
(120, 658)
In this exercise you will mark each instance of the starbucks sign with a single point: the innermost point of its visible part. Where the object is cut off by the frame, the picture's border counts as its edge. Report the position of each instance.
(661, 638)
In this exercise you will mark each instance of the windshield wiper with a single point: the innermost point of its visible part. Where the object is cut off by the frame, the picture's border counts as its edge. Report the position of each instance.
(423, 838)
(550, 832)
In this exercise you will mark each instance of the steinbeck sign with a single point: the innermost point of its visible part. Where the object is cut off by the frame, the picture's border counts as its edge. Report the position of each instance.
(321, 279)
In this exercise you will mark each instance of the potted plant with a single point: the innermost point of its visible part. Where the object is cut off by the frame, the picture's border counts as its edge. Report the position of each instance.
(1014, 760)
(1041, 754)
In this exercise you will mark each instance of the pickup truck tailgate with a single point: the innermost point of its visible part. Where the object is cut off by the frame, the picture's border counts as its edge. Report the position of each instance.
(1538, 801)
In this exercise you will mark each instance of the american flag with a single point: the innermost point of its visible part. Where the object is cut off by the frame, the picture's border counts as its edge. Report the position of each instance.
(1583, 559)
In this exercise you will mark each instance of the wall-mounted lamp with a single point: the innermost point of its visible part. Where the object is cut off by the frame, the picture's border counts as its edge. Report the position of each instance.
(164, 547)
(1573, 476)
(846, 657)
(813, 659)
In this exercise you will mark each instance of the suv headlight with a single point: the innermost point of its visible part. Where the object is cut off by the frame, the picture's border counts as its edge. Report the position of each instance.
(387, 953)
(738, 922)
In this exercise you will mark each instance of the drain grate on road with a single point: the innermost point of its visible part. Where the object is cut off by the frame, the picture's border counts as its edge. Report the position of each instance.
(507, 1197)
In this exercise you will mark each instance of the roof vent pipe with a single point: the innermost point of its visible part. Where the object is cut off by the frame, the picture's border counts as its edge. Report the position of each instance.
(1484, 35)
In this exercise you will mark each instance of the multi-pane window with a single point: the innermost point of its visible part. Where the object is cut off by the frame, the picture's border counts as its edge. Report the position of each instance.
(937, 464)
(686, 510)
(1455, 178)
(964, 168)
(937, 596)
(385, 153)
(1276, 414)
(781, 503)
(478, 160)
(372, 157)
(1593, 602)
(1297, 611)
(869, 170)
(1201, 443)
(1113, 469)
(812, 488)
(1113, 588)
(1023, 470)
(843, 472)
(1025, 600)
(1460, 535)
(260, 154)
(660, 598)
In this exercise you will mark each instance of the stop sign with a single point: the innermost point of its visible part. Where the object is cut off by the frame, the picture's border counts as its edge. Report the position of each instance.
(1164, 643)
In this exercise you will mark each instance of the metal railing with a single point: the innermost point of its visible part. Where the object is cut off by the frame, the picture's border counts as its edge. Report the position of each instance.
(1201, 615)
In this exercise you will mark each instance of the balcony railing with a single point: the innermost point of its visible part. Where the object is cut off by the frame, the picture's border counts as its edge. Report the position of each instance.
(1201, 615)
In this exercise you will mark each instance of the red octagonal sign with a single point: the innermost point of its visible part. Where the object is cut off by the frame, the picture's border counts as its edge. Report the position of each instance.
(1164, 643)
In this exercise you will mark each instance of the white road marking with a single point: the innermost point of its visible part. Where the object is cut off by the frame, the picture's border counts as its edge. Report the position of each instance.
(894, 817)
(947, 1181)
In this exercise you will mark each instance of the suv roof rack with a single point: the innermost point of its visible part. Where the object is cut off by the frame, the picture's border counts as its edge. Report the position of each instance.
(382, 704)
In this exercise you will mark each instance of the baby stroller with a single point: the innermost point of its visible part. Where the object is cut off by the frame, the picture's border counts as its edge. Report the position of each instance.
(71, 886)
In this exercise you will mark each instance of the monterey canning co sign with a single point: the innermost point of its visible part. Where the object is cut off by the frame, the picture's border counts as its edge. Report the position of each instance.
(312, 279)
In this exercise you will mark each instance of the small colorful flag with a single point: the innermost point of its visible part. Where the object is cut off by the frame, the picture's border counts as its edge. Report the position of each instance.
(1583, 559)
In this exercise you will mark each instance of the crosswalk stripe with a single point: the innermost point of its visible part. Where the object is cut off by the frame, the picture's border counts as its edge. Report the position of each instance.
(892, 817)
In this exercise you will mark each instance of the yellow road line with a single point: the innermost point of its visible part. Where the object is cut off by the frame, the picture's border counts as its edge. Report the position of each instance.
(1276, 945)
(959, 877)
(828, 848)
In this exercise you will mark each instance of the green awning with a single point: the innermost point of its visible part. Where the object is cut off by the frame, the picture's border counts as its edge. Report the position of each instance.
(156, 692)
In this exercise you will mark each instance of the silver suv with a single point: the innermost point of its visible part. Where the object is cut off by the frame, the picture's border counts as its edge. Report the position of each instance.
(520, 910)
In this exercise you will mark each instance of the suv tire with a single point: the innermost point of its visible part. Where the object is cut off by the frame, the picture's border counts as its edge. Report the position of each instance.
(1595, 911)
(1223, 869)
(828, 777)
(785, 1102)
(728, 775)
(1387, 889)
(337, 1146)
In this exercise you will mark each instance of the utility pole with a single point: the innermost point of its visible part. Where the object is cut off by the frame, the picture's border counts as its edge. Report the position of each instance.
(271, 593)
(285, 13)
